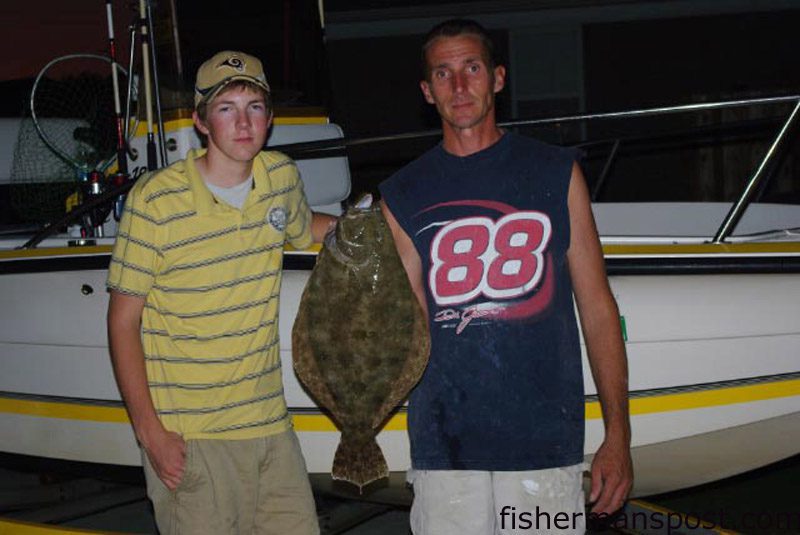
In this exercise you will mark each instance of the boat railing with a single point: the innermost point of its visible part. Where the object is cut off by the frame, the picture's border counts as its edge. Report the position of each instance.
(610, 150)
(738, 207)
(753, 184)
(312, 149)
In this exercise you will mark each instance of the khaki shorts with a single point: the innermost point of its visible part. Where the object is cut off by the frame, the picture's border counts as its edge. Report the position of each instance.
(257, 486)
(467, 502)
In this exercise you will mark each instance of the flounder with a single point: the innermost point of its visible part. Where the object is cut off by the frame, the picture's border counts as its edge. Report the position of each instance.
(360, 341)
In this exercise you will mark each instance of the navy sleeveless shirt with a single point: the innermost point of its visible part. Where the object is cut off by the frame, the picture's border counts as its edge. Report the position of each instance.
(504, 388)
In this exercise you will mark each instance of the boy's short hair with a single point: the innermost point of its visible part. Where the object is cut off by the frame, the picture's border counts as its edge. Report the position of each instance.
(455, 28)
(222, 71)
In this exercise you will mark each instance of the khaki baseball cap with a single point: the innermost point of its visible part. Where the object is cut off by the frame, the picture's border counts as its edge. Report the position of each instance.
(226, 67)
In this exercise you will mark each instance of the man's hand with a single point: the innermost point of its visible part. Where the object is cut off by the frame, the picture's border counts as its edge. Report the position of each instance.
(167, 454)
(612, 477)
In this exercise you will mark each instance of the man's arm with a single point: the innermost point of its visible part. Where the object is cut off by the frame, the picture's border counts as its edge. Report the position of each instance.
(408, 255)
(612, 472)
(165, 449)
(320, 225)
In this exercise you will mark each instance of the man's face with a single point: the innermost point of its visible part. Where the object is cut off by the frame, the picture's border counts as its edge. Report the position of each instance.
(461, 85)
(236, 123)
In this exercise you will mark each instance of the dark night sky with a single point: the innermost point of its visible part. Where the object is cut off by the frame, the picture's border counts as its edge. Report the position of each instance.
(657, 59)
(369, 86)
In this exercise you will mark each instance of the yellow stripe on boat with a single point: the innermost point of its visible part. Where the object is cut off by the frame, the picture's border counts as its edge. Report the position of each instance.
(62, 410)
(83, 250)
(17, 527)
(313, 248)
(173, 125)
(398, 422)
(608, 250)
(301, 120)
(91, 250)
(97, 413)
(705, 398)
(320, 422)
(701, 248)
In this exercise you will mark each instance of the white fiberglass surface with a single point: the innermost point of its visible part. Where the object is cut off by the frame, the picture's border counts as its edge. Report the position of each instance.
(689, 220)
(694, 329)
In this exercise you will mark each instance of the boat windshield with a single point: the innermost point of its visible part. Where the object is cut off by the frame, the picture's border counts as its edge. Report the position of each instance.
(708, 171)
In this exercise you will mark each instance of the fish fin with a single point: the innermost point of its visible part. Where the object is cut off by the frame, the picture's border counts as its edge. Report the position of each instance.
(305, 363)
(411, 372)
(359, 461)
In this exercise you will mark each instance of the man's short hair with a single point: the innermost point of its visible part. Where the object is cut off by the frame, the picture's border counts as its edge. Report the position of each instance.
(455, 28)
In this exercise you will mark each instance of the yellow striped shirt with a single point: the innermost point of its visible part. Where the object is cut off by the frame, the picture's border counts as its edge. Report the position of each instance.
(211, 275)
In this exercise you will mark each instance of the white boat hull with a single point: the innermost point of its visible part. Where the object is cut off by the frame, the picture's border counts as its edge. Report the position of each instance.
(714, 374)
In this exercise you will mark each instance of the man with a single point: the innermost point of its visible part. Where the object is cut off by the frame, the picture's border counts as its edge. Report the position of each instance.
(195, 278)
(496, 233)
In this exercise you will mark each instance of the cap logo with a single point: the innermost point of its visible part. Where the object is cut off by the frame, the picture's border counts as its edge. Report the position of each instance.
(226, 67)
(234, 63)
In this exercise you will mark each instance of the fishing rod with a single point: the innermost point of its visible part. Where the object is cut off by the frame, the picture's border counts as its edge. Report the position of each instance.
(121, 176)
(152, 163)
(131, 78)
(162, 144)
(122, 161)
(97, 201)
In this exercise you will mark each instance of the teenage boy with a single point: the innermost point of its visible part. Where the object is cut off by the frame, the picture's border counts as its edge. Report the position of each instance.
(195, 278)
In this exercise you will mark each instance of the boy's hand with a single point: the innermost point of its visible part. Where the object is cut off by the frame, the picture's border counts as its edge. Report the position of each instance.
(167, 454)
(321, 225)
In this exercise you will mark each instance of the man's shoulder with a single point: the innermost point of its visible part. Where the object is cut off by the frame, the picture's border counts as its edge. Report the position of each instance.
(414, 170)
(536, 148)
(425, 160)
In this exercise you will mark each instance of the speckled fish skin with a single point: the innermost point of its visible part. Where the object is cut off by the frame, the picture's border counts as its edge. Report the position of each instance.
(360, 341)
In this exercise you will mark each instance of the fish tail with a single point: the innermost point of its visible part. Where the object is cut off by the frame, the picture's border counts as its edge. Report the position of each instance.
(359, 460)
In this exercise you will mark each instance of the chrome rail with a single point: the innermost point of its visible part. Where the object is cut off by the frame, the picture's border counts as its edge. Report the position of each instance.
(663, 110)
(342, 143)
(728, 225)
(738, 208)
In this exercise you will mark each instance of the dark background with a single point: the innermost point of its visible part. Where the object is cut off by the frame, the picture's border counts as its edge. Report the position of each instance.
(369, 86)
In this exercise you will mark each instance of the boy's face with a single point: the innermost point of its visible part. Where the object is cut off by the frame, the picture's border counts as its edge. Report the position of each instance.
(236, 123)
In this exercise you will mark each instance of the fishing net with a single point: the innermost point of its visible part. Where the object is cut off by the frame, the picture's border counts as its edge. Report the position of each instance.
(68, 130)
(40, 181)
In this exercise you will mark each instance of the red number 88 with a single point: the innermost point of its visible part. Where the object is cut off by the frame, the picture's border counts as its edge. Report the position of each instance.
(477, 255)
